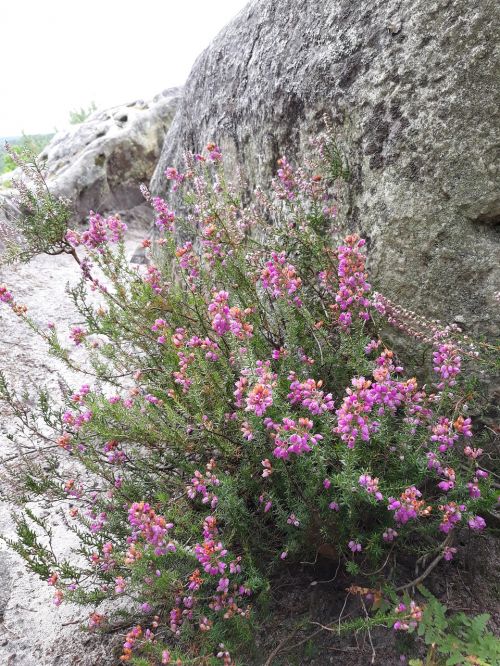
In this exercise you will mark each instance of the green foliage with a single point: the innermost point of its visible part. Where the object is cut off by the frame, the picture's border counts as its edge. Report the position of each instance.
(170, 432)
(77, 116)
(455, 638)
(44, 221)
(34, 143)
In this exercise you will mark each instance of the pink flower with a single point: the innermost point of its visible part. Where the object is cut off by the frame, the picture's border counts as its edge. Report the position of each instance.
(477, 523)
(447, 364)
(448, 553)
(355, 546)
(227, 319)
(371, 486)
(5, 295)
(165, 217)
(268, 468)
(308, 395)
(120, 585)
(389, 534)
(452, 514)
(259, 399)
(279, 276)
(58, 598)
(293, 437)
(77, 334)
(408, 507)
(350, 298)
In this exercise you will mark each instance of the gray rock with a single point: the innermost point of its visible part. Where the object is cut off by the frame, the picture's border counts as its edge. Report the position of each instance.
(9, 211)
(411, 88)
(5, 582)
(100, 163)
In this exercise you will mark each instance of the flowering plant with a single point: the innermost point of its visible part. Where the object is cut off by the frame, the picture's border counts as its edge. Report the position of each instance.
(241, 408)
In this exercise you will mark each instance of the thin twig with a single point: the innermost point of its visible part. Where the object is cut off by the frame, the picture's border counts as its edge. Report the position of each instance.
(429, 569)
(369, 632)
(321, 582)
(279, 647)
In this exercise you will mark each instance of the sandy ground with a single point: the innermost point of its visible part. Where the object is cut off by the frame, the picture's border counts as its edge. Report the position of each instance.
(34, 632)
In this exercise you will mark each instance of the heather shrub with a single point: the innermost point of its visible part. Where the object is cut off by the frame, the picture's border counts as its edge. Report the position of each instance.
(77, 116)
(238, 408)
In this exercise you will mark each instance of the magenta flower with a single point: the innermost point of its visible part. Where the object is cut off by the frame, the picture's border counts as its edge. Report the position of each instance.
(447, 363)
(371, 486)
(5, 294)
(308, 394)
(280, 277)
(477, 523)
(353, 287)
(165, 217)
(78, 335)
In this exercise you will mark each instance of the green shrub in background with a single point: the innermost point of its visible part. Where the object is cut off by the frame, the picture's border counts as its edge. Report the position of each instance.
(77, 116)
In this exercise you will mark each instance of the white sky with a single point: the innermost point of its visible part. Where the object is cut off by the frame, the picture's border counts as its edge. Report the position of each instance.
(59, 55)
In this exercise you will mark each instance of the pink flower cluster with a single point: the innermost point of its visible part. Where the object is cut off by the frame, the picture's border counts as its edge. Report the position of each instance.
(5, 294)
(78, 335)
(189, 262)
(447, 364)
(101, 231)
(371, 486)
(164, 216)
(227, 319)
(260, 396)
(288, 184)
(409, 506)
(449, 482)
(200, 485)
(77, 420)
(151, 527)
(113, 453)
(292, 437)
(452, 514)
(411, 616)
(445, 433)
(353, 286)
(354, 416)
(154, 278)
(160, 326)
(280, 277)
(180, 376)
(353, 420)
(205, 344)
(477, 523)
(210, 555)
(308, 394)
(172, 174)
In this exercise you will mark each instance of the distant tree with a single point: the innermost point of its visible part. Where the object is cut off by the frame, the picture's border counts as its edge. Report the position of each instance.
(78, 116)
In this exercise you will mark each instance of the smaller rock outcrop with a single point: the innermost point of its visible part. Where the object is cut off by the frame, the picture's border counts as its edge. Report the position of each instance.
(100, 163)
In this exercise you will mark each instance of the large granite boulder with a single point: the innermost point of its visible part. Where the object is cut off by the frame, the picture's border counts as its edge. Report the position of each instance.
(411, 87)
(100, 163)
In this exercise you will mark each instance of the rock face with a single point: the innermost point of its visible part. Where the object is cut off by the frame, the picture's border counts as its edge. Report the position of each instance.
(411, 88)
(100, 163)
